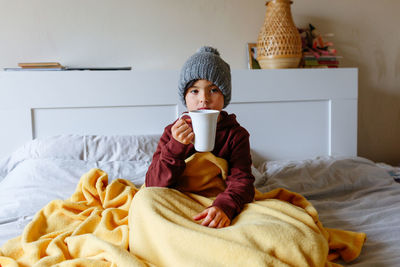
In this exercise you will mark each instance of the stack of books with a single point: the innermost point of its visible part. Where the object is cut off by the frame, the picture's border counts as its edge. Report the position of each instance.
(315, 60)
(37, 66)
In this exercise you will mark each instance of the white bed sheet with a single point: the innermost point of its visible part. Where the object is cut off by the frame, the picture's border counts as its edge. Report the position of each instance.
(349, 193)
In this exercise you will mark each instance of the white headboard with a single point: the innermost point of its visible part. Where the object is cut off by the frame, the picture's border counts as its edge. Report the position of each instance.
(290, 113)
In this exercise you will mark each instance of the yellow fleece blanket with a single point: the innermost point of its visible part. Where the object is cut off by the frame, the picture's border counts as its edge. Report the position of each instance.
(116, 224)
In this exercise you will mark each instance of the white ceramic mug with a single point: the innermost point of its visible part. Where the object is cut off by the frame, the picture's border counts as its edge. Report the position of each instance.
(204, 124)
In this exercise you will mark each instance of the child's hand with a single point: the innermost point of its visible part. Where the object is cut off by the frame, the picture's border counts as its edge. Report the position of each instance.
(182, 132)
(214, 218)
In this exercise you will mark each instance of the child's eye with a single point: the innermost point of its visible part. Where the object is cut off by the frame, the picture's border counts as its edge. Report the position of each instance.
(214, 90)
(194, 91)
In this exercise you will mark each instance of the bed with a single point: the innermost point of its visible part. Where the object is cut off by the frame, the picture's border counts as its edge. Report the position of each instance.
(303, 125)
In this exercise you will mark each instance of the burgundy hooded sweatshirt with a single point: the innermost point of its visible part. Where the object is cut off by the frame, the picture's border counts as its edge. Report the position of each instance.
(231, 144)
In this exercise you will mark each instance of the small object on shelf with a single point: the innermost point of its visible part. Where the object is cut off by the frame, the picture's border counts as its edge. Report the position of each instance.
(252, 56)
(317, 53)
(279, 43)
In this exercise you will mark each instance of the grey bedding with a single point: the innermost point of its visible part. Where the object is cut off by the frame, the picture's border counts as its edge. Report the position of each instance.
(349, 193)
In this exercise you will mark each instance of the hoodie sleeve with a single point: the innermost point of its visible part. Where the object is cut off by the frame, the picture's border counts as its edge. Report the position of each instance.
(240, 188)
(168, 161)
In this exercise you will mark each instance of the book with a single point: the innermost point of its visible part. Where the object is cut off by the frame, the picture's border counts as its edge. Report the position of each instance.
(316, 67)
(328, 62)
(41, 65)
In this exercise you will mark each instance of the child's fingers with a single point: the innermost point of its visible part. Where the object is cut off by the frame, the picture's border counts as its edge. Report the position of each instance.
(205, 214)
(218, 220)
(186, 136)
(209, 218)
(221, 224)
(183, 121)
(189, 137)
(175, 127)
(183, 126)
(185, 131)
(213, 218)
(179, 123)
(182, 132)
(224, 223)
(200, 216)
(215, 222)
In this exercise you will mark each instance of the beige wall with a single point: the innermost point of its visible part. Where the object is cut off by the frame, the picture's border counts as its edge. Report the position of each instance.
(160, 34)
(367, 36)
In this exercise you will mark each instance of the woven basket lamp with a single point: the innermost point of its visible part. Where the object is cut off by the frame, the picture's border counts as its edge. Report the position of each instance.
(279, 42)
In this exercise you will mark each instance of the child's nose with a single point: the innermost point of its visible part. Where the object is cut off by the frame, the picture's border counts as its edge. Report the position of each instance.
(203, 97)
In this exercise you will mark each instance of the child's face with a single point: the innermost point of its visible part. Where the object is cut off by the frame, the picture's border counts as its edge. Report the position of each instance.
(203, 94)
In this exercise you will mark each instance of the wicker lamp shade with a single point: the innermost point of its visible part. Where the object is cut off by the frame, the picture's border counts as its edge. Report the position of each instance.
(279, 42)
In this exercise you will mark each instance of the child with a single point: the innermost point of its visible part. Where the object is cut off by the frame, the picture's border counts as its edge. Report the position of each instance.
(205, 83)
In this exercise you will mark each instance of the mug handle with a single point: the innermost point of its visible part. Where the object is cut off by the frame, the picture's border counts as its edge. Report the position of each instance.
(185, 113)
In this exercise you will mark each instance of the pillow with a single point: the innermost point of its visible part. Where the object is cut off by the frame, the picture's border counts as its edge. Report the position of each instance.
(320, 174)
(67, 147)
(84, 147)
(120, 148)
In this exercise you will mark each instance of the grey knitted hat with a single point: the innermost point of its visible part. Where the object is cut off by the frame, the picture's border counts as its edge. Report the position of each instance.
(206, 64)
